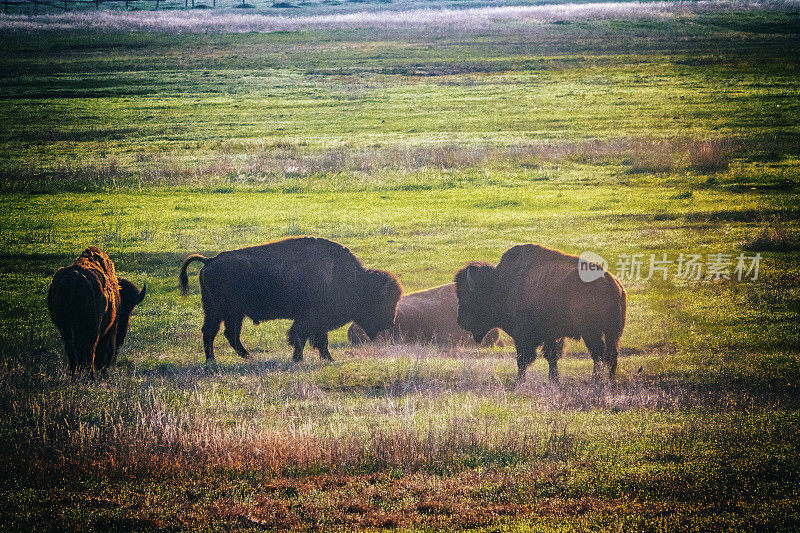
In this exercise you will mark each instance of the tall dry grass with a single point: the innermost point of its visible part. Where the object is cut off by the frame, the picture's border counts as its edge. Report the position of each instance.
(257, 163)
(415, 418)
(486, 18)
(137, 432)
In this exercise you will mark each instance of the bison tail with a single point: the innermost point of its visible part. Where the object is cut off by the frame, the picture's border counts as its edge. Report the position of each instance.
(183, 278)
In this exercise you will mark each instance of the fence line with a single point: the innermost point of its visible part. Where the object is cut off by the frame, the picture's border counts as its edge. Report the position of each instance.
(66, 5)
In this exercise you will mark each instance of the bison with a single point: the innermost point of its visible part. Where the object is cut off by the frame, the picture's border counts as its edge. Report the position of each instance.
(318, 283)
(427, 317)
(537, 296)
(91, 307)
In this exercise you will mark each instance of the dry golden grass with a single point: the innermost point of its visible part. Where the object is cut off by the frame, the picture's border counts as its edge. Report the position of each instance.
(259, 164)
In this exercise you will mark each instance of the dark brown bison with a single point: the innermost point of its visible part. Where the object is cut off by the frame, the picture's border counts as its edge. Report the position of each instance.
(318, 283)
(537, 296)
(91, 308)
(426, 317)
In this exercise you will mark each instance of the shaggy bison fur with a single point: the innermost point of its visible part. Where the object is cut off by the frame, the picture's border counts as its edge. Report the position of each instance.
(91, 308)
(319, 284)
(536, 295)
(426, 317)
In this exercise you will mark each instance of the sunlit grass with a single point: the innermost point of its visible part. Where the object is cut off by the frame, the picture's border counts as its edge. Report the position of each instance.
(420, 150)
(269, 109)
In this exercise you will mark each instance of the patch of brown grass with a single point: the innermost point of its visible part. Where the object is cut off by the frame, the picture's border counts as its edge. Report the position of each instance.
(259, 163)
(710, 155)
(773, 236)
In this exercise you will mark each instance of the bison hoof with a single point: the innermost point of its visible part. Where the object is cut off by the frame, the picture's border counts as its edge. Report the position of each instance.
(210, 366)
(243, 354)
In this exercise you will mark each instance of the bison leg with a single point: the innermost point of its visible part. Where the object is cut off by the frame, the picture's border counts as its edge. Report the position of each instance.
(596, 346)
(297, 340)
(320, 342)
(210, 329)
(553, 349)
(233, 331)
(525, 356)
(85, 347)
(69, 349)
(612, 353)
(106, 352)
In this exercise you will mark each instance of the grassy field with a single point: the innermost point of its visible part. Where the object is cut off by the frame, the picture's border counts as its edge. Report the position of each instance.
(419, 149)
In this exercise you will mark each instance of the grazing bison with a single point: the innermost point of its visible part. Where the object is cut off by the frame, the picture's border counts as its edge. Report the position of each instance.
(318, 283)
(129, 297)
(427, 317)
(537, 296)
(91, 308)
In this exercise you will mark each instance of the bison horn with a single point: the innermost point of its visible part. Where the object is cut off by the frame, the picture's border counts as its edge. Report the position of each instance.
(141, 294)
(470, 281)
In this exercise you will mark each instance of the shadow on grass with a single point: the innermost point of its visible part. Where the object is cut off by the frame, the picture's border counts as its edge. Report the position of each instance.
(45, 264)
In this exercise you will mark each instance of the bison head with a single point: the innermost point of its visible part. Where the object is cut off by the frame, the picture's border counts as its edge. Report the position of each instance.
(356, 335)
(381, 292)
(476, 288)
(129, 297)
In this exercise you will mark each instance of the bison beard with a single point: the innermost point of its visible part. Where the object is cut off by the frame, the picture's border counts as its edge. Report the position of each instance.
(536, 295)
(91, 308)
(318, 283)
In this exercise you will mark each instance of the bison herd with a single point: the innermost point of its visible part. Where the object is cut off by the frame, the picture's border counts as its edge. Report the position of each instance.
(534, 294)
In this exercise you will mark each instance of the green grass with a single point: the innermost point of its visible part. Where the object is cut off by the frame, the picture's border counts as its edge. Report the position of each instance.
(419, 151)
(167, 109)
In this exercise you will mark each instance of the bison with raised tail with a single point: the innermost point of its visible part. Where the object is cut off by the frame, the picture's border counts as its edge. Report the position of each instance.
(319, 284)
(427, 317)
(91, 308)
(537, 296)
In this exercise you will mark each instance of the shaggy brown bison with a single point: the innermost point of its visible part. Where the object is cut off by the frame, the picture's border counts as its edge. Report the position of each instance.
(318, 283)
(537, 296)
(426, 317)
(91, 308)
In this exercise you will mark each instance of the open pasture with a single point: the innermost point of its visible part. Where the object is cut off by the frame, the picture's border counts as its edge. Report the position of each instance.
(419, 149)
